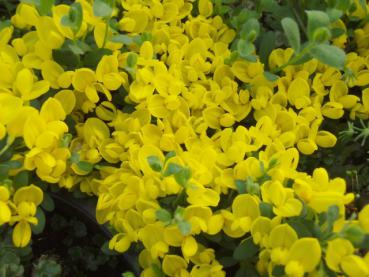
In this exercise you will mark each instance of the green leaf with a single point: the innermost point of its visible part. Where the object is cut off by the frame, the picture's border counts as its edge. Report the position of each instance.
(21, 179)
(93, 57)
(48, 203)
(85, 166)
(74, 18)
(337, 32)
(125, 39)
(184, 227)
(183, 176)
(5, 23)
(103, 8)
(14, 164)
(270, 76)
(4, 170)
(157, 270)
(65, 57)
(241, 186)
(292, 33)
(245, 48)
(247, 249)
(172, 169)
(266, 209)
(354, 234)
(300, 227)
(228, 261)
(321, 35)
(39, 228)
(155, 163)
(250, 30)
(163, 215)
(334, 14)
(232, 58)
(132, 60)
(266, 46)
(75, 158)
(278, 270)
(333, 214)
(170, 154)
(329, 54)
(46, 6)
(316, 19)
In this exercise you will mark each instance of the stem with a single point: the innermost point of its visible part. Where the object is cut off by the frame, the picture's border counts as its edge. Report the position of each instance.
(298, 17)
(9, 142)
(179, 198)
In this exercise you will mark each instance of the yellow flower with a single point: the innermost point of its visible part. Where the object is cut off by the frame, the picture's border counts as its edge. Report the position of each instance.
(260, 230)
(26, 199)
(245, 209)
(299, 93)
(205, 8)
(26, 86)
(284, 203)
(51, 71)
(174, 265)
(108, 74)
(48, 33)
(355, 266)
(281, 238)
(298, 263)
(337, 250)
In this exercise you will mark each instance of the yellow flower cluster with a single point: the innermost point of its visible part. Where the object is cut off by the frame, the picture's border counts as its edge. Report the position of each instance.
(208, 147)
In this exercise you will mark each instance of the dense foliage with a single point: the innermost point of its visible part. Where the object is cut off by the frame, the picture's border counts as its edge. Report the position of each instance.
(202, 128)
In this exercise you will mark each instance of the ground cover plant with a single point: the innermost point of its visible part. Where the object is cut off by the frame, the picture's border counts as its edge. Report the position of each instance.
(218, 137)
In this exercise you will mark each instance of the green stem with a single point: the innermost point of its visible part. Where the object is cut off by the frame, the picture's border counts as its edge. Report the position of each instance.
(179, 198)
(298, 17)
(9, 142)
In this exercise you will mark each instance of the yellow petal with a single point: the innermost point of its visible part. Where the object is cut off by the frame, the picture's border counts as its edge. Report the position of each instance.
(21, 234)
(354, 266)
(48, 32)
(364, 218)
(282, 236)
(52, 110)
(51, 71)
(24, 82)
(307, 146)
(189, 246)
(205, 8)
(4, 194)
(30, 193)
(215, 224)
(325, 139)
(146, 50)
(299, 250)
(245, 205)
(337, 249)
(172, 264)
(156, 106)
(67, 99)
(33, 127)
(5, 213)
(83, 78)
